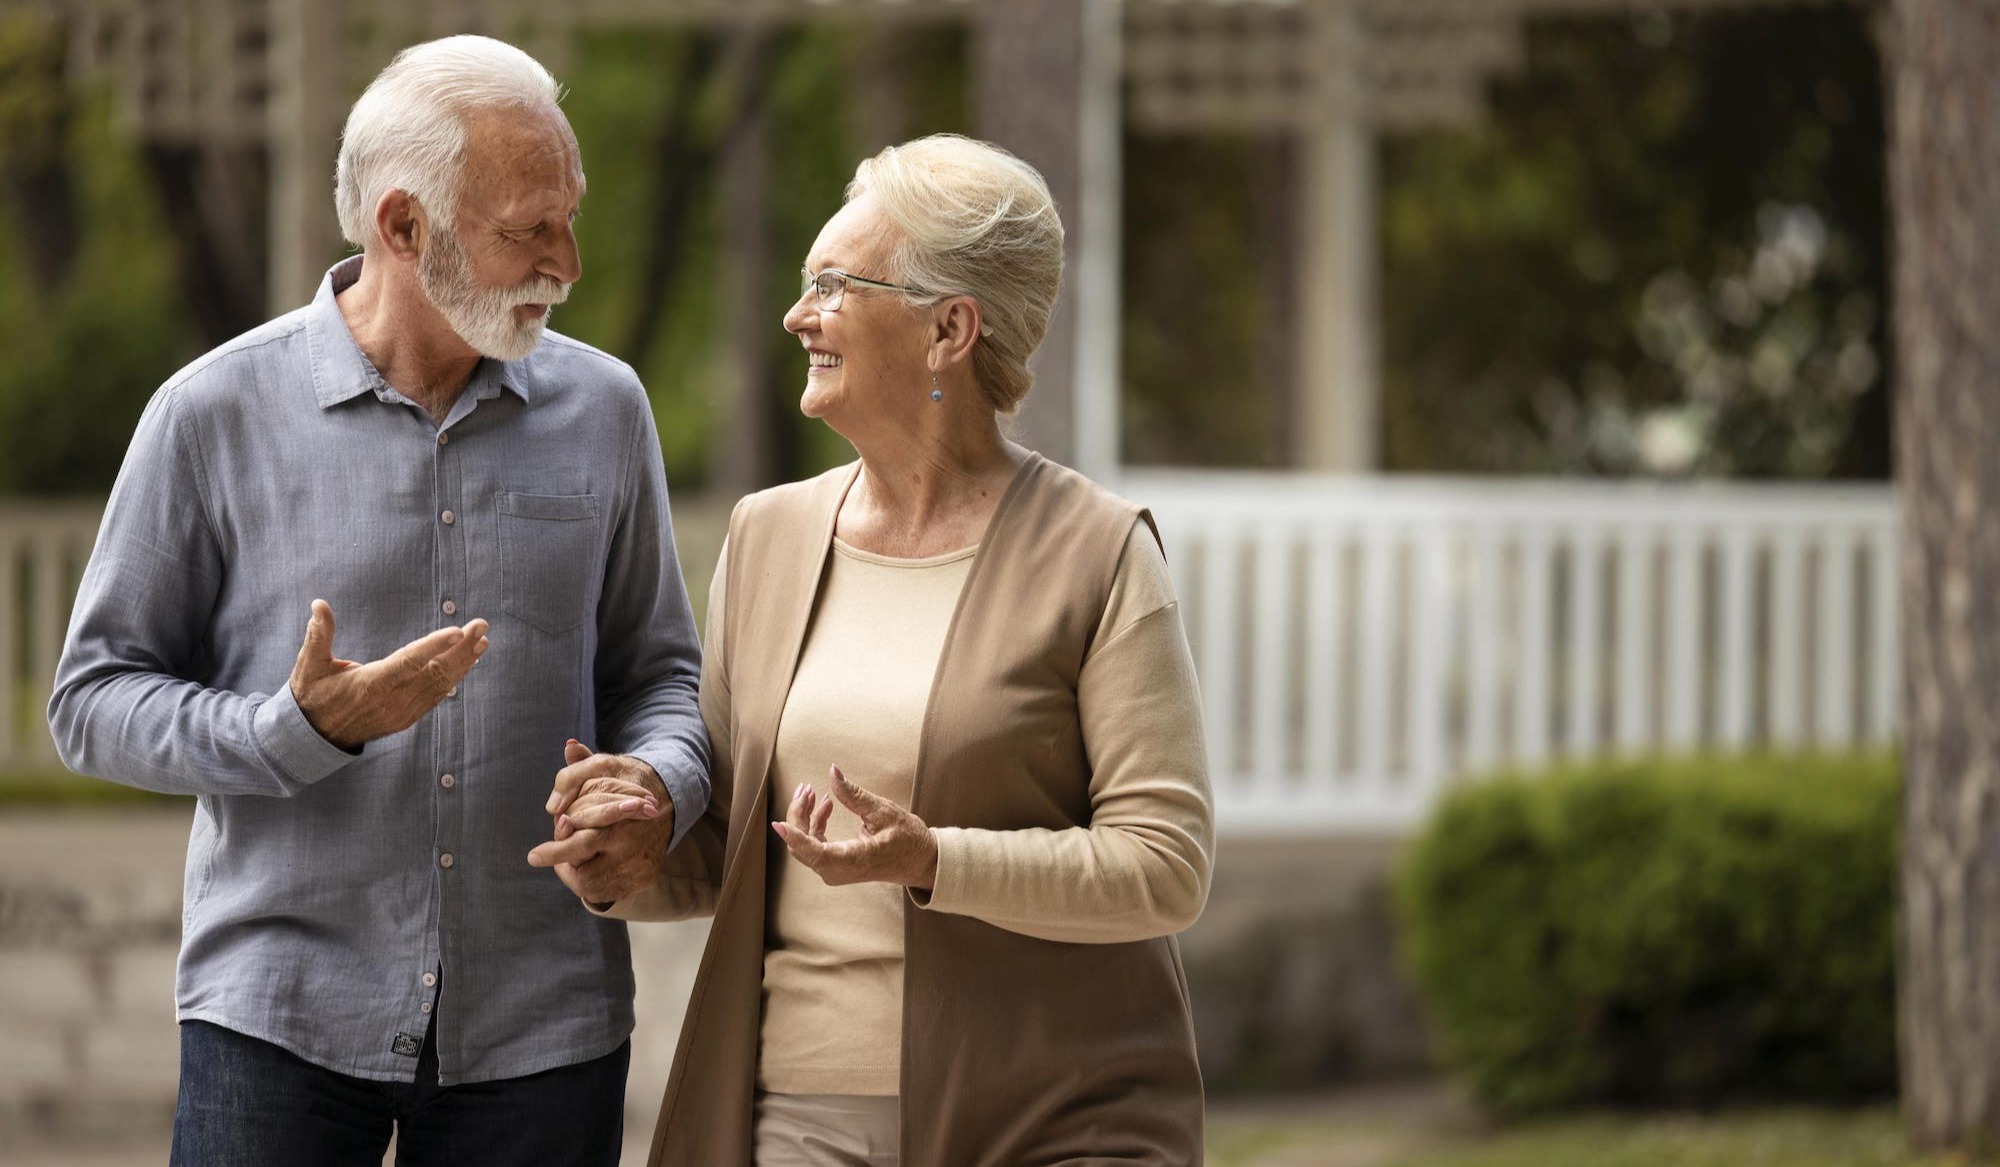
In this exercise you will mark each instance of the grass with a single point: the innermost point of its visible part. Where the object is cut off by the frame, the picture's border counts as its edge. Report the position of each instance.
(1765, 1138)
(1789, 1138)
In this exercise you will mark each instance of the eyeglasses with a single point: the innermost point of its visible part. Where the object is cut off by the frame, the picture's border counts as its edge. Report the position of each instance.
(830, 286)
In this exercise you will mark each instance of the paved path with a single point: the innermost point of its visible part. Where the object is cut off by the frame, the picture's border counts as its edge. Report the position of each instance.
(1364, 1127)
(89, 925)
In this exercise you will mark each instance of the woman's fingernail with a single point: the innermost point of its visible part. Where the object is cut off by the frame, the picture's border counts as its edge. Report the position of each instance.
(555, 800)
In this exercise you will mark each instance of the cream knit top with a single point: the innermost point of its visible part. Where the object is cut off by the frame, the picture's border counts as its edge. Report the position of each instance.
(833, 961)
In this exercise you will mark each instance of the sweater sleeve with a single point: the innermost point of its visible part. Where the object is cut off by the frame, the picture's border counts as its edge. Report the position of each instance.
(1141, 868)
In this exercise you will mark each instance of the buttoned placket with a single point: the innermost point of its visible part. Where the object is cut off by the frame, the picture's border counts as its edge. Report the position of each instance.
(448, 720)
(443, 726)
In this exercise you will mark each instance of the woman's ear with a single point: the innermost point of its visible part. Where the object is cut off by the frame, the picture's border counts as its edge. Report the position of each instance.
(957, 325)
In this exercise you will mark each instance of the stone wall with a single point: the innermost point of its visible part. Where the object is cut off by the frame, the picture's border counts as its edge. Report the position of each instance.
(1292, 967)
(89, 930)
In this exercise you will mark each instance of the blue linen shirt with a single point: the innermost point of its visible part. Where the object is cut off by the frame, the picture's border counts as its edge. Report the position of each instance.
(333, 901)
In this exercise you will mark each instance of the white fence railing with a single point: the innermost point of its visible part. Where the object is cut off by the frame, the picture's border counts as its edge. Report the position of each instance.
(43, 547)
(1361, 643)
(1364, 642)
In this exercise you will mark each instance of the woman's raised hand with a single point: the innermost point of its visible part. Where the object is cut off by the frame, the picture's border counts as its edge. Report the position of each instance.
(894, 846)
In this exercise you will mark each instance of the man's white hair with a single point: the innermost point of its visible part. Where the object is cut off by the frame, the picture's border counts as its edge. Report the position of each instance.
(408, 130)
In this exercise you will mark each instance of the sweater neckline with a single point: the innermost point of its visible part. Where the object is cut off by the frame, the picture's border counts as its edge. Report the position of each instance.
(948, 557)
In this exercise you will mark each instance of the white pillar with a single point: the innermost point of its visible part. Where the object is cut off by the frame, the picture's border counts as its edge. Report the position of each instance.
(1095, 284)
(1340, 320)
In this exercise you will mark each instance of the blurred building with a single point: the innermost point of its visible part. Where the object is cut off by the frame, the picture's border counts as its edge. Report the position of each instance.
(1363, 640)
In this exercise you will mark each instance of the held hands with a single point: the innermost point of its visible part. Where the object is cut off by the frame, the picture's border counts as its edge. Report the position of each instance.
(894, 845)
(613, 824)
(350, 703)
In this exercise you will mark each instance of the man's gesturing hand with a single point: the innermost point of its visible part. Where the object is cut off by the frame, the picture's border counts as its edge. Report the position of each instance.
(613, 825)
(350, 703)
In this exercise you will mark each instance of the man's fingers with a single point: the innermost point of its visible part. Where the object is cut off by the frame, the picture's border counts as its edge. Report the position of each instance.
(570, 779)
(458, 658)
(317, 648)
(427, 646)
(581, 847)
(820, 818)
(575, 753)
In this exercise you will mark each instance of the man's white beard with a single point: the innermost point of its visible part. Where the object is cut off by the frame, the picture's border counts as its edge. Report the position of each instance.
(483, 316)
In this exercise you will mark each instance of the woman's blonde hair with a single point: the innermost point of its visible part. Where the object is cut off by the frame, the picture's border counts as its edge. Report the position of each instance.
(975, 221)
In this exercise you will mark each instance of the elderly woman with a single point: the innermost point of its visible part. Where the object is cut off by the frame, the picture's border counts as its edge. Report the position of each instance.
(961, 803)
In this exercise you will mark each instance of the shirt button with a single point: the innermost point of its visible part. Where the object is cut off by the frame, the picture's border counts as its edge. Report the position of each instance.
(447, 782)
(451, 692)
(445, 860)
(430, 979)
(444, 439)
(426, 1006)
(448, 518)
(450, 608)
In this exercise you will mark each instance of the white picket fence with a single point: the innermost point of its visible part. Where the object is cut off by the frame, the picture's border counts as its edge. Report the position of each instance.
(43, 547)
(1364, 642)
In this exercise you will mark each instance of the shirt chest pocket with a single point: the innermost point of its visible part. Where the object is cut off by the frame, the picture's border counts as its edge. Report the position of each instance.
(549, 558)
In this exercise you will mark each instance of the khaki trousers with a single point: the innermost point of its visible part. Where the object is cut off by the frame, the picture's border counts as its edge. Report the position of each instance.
(826, 1130)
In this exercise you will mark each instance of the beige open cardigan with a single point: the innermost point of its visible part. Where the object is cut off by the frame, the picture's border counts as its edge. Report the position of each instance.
(1016, 1051)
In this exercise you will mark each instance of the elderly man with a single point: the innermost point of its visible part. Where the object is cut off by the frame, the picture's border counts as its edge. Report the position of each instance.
(481, 507)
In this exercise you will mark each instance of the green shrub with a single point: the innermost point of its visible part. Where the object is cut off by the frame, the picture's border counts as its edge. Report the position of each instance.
(1662, 932)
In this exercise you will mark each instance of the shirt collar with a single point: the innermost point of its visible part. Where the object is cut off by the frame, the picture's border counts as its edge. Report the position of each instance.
(342, 372)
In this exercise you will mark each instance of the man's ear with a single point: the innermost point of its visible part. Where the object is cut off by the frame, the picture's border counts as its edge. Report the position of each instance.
(401, 225)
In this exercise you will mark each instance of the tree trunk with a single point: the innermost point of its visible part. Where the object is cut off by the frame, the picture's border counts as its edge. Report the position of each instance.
(747, 454)
(1944, 172)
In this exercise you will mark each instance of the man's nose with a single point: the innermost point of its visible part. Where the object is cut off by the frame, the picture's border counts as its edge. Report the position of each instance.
(563, 262)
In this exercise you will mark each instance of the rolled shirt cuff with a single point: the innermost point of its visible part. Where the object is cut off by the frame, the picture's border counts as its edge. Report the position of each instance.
(687, 786)
(296, 753)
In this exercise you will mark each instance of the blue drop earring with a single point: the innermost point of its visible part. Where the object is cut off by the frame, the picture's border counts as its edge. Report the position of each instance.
(937, 394)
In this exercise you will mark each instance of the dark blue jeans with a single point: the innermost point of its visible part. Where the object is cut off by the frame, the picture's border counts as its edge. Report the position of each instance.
(248, 1103)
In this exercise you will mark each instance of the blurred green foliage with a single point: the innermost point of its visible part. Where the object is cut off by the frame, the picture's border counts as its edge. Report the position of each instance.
(631, 86)
(1662, 932)
(1797, 1137)
(1788, 1138)
(1661, 254)
(90, 319)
